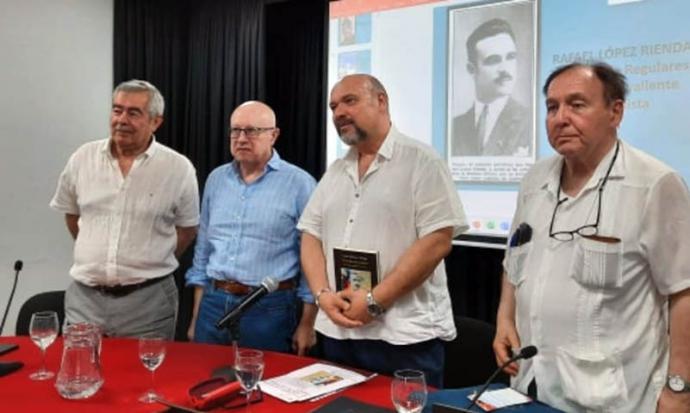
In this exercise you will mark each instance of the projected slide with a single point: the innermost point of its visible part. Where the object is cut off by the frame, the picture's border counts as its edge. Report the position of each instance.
(465, 77)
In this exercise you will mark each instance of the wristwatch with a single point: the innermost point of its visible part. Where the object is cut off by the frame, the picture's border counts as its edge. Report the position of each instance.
(374, 309)
(677, 384)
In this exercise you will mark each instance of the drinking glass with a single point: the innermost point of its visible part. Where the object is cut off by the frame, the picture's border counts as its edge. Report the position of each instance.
(249, 368)
(151, 354)
(43, 330)
(408, 391)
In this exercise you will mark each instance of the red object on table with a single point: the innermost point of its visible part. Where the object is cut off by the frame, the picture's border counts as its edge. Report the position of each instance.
(185, 365)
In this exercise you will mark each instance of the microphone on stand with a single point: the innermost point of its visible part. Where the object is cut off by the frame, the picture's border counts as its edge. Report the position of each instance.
(268, 285)
(524, 354)
(7, 367)
(18, 265)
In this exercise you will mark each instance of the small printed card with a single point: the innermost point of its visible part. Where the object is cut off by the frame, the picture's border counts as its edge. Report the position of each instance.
(496, 399)
(356, 269)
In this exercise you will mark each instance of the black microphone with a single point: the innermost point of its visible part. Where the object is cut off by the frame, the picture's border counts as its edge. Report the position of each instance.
(18, 265)
(268, 285)
(526, 353)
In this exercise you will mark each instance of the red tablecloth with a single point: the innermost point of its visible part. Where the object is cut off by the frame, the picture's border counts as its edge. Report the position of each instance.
(126, 379)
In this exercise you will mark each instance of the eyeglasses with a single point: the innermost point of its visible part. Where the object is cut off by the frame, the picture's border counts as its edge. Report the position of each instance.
(585, 230)
(250, 133)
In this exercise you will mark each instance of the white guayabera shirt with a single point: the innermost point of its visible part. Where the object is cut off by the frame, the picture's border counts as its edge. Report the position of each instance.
(597, 310)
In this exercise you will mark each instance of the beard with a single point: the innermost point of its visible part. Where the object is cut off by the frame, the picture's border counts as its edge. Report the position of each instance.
(354, 137)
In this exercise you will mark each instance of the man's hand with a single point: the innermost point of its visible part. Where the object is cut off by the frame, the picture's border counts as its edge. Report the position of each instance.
(505, 341)
(358, 305)
(190, 330)
(670, 402)
(304, 336)
(303, 339)
(335, 307)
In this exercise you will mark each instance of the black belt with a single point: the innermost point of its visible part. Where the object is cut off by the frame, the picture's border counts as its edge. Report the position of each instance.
(123, 290)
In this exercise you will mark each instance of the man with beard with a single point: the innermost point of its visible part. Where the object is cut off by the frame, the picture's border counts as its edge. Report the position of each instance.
(132, 206)
(249, 215)
(496, 124)
(393, 195)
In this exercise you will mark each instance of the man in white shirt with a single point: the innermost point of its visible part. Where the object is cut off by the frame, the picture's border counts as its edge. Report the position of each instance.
(496, 124)
(601, 285)
(132, 206)
(393, 195)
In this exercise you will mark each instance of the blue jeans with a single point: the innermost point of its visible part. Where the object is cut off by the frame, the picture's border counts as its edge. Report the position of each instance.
(268, 324)
(385, 358)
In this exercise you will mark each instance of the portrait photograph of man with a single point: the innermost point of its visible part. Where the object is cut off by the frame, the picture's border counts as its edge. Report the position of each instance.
(491, 77)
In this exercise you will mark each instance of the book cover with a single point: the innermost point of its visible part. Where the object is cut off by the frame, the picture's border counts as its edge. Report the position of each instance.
(356, 269)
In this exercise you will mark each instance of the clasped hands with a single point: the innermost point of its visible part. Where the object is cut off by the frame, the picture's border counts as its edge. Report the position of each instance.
(347, 308)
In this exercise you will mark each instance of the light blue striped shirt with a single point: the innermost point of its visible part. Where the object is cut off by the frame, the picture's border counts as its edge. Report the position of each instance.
(249, 231)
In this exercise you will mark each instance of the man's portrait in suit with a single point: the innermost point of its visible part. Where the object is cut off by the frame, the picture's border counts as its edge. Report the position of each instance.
(496, 124)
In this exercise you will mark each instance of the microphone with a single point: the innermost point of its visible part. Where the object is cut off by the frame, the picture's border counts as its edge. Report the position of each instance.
(268, 285)
(18, 265)
(524, 354)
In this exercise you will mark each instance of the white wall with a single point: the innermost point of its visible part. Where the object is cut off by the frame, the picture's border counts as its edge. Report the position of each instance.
(55, 84)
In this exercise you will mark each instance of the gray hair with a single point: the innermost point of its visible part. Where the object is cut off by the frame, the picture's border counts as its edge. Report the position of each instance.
(156, 104)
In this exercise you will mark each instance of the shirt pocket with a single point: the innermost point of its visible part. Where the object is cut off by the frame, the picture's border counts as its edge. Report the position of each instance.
(597, 264)
(516, 263)
(592, 380)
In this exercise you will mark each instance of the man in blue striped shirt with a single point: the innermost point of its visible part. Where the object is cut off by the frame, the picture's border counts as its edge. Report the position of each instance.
(249, 213)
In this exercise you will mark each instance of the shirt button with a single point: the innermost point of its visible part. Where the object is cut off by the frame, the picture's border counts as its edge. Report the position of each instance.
(351, 220)
(356, 195)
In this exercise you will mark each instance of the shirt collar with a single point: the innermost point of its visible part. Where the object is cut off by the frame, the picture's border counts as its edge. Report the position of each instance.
(273, 164)
(617, 171)
(385, 150)
(149, 152)
(494, 107)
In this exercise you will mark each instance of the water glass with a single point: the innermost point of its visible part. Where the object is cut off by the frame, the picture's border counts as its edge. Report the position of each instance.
(249, 368)
(43, 330)
(408, 391)
(151, 354)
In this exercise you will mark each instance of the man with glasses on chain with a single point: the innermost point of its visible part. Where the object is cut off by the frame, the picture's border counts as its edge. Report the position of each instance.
(600, 283)
(249, 212)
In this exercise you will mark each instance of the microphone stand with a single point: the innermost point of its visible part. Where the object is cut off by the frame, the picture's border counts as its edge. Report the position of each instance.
(7, 367)
(228, 372)
(17, 267)
(526, 353)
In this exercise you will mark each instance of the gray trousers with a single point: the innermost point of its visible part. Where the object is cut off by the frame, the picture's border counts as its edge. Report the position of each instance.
(148, 311)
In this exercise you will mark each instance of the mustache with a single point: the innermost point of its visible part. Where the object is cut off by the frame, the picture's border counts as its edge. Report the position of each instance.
(340, 122)
(122, 128)
(503, 77)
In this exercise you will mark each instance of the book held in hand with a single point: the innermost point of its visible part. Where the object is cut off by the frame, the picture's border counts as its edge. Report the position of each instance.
(356, 269)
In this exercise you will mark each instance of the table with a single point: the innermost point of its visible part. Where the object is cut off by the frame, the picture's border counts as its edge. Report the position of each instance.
(126, 379)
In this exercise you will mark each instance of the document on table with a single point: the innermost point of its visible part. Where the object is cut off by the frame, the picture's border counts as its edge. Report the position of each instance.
(496, 399)
(310, 382)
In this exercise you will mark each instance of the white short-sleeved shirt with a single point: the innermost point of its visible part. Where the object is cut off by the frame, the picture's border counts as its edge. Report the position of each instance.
(597, 311)
(406, 194)
(126, 225)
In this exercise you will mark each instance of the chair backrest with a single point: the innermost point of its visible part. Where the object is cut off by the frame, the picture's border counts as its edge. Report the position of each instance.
(47, 301)
(470, 357)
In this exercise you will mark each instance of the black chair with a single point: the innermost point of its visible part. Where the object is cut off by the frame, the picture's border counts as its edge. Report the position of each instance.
(470, 357)
(48, 301)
